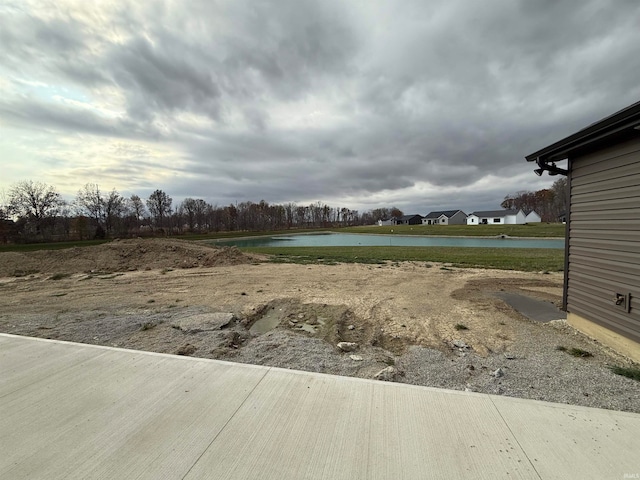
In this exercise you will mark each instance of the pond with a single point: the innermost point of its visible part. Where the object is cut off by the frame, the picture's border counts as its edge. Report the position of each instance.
(362, 240)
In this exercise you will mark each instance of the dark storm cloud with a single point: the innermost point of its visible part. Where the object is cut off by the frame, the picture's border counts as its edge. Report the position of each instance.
(157, 78)
(297, 100)
(280, 50)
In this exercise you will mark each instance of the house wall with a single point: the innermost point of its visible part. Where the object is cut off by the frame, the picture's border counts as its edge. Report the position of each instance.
(474, 220)
(491, 220)
(410, 221)
(532, 217)
(604, 246)
(517, 219)
(459, 218)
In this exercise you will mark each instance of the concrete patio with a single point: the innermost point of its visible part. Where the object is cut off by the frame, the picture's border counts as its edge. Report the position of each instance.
(73, 411)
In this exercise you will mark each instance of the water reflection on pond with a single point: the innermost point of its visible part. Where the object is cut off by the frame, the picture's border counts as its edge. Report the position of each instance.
(355, 240)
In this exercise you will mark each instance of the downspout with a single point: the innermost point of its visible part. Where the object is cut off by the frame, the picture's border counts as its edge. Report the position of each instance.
(567, 227)
(545, 166)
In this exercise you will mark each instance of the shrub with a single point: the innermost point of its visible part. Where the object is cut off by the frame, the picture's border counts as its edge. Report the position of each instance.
(629, 372)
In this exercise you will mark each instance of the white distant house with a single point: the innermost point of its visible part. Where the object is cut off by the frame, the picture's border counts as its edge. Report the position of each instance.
(499, 217)
(532, 217)
(445, 217)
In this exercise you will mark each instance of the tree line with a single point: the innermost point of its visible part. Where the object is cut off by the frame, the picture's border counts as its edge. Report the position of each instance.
(35, 211)
(549, 203)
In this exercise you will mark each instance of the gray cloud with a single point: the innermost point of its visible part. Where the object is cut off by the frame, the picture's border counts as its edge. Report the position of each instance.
(36, 114)
(303, 100)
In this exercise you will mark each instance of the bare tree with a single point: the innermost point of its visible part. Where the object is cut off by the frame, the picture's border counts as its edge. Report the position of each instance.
(114, 209)
(159, 205)
(188, 207)
(90, 202)
(34, 199)
(560, 189)
(136, 206)
(290, 209)
(201, 208)
(37, 205)
(6, 224)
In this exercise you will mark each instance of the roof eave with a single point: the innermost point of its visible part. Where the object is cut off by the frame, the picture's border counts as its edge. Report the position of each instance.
(623, 120)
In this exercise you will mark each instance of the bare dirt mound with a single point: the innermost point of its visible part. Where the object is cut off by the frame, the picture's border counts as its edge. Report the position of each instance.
(121, 256)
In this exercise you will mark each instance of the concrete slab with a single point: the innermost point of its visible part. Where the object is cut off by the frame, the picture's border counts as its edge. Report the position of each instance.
(592, 443)
(80, 411)
(114, 413)
(532, 308)
(321, 426)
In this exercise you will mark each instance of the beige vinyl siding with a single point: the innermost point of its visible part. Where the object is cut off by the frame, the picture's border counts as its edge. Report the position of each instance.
(604, 237)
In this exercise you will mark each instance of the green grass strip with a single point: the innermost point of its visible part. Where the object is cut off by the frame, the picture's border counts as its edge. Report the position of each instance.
(534, 259)
(32, 247)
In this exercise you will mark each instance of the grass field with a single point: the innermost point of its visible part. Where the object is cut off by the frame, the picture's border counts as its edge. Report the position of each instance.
(32, 247)
(537, 259)
(537, 230)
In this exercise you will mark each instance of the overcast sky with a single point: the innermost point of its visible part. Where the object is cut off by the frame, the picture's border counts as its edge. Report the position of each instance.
(423, 105)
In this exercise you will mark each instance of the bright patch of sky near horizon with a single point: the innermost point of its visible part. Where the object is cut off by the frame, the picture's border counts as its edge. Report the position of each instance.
(419, 105)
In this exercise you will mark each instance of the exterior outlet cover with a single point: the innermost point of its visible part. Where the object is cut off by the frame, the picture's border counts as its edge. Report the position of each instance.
(623, 301)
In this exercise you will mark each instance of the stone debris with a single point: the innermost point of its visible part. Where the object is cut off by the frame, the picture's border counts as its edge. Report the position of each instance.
(498, 373)
(186, 349)
(509, 356)
(351, 327)
(355, 358)
(347, 346)
(387, 374)
(204, 322)
(459, 344)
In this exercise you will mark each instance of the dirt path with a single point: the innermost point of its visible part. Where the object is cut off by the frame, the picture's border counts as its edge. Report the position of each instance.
(416, 322)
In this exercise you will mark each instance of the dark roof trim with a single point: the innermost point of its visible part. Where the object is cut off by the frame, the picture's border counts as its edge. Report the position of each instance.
(625, 119)
(447, 213)
(495, 213)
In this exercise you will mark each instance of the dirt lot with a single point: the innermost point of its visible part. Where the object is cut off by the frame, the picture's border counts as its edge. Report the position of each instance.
(419, 323)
